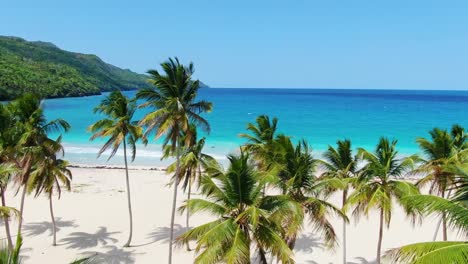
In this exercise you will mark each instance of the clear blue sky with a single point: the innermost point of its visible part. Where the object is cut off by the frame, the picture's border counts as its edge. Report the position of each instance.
(405, 44)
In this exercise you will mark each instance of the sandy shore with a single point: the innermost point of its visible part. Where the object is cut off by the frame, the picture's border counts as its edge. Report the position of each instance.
(93, 220)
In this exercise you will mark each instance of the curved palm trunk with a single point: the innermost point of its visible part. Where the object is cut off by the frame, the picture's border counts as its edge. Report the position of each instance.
(54, 227)
(20, 221)
(345, 196)
(7, 222)
(379, 245)
(174, 202)
(127, 244)
(443, 221)
(188, 211)
(26, 170)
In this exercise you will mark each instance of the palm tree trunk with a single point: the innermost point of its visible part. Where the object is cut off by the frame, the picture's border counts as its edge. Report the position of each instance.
(54, 227)
(7, 222)
(188, 211)
(345, 196)
(379, 245)
(25, 176)
(174, 201)
(127, 244)
(442, 221)
(20, 221)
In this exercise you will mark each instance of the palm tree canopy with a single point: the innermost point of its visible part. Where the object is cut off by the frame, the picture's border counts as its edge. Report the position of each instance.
(118, 124)
(173, 101)
(377, 187)
(262, 133)
(244, 216)
(193, 159)
(441, 150)
(296, 179)
(454, 252)
(339, 162)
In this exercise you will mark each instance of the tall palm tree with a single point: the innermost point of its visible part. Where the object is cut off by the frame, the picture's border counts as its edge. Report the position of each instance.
(438, 150)
(456, 212)
(174, 106)
(47, 176)
(378, 185)
(297, 180)
(31, 128)
(245, 219)
(119, 129)
(340, 163)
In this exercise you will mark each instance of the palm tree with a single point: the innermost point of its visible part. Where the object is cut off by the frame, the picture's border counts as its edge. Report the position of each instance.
(31, 128)
(377, 185)
(260, 141)
(48, 176)
(296, 179)
(340, 163)
(456, 212)
(438, 150)
(245, 219)
(7, 168)
(174, 105)
(6, 171)
(191, 163)
(120, 129)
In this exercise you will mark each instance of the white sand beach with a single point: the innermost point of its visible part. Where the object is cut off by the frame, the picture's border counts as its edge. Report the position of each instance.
(93, 220)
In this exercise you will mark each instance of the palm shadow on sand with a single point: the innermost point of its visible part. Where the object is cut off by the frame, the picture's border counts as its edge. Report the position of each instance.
(83, 240)
(161, 234)
(113, 255)
(307, 243)
(39, 228)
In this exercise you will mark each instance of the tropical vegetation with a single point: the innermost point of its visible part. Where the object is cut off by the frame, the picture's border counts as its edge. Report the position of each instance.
(119, 129)
(269, 191)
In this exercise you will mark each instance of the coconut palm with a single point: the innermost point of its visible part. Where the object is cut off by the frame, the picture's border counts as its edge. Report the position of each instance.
(378, 186)
(191, 163)
(48, 176)
(340, 163)
(31, 129)
(260, 141)
(119, 129)
(296, 179)
(174, 106)
(438, 151)
(245, 219)
(456, 212)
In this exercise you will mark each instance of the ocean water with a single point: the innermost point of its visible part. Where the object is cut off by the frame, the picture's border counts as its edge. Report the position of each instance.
(321, 116)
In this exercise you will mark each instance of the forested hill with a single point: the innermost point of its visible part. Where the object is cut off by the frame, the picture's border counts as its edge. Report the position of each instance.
(42, 67)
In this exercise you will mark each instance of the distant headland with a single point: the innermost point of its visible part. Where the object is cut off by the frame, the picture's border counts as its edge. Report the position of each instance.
(43, 68)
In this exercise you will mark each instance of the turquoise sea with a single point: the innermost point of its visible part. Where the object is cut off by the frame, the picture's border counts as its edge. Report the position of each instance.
(319, 115)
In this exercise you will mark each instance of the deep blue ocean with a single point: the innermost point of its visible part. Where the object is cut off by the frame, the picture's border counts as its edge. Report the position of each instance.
(321, 116)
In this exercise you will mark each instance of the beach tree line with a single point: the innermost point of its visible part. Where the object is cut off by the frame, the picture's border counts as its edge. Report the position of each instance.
(272, 187)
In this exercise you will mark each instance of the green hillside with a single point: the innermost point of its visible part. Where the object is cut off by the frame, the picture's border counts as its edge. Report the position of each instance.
(43, 68)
